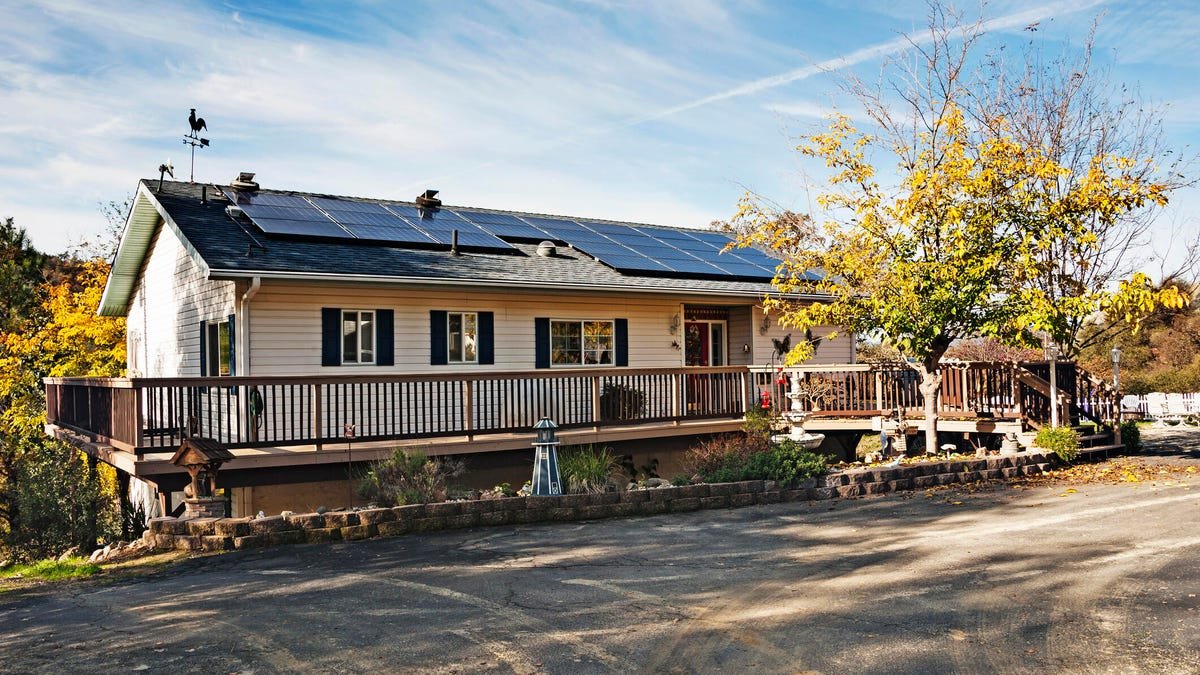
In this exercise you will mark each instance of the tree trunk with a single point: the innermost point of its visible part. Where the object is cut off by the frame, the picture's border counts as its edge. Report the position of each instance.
(931, 384)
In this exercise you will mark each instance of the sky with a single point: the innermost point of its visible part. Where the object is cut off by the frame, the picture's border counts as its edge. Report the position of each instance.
(661, 112)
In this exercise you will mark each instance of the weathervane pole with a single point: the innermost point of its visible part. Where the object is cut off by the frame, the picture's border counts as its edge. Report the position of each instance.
(193, 139)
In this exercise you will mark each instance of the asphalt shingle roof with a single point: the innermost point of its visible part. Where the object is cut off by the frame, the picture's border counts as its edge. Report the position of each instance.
(229, 248)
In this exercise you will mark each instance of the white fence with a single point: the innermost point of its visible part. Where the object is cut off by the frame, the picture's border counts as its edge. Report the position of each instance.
(1168, 408)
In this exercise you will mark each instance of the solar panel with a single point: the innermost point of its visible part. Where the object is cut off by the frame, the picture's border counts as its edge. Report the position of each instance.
(304, 228)
(628, 248)
(401, 235)
(504, 225)
(337, 204)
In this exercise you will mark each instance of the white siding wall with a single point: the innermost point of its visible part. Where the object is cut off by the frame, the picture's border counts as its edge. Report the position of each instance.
(170, 299)
(285, 331)
(837, 350)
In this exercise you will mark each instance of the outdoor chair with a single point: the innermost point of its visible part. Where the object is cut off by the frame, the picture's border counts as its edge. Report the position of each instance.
(1156, 409)
(1177, 410)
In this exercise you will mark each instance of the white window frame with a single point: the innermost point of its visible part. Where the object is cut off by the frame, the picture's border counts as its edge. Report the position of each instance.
(611, 349)
(358, 333)
(217, 356)
(462, 318)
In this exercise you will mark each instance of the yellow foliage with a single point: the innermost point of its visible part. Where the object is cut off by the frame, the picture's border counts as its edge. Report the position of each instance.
(64, 337)
(955, 250)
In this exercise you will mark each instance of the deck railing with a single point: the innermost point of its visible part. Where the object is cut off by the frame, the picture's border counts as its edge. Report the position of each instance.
(969, 390)
(148, 415)
(142, 414)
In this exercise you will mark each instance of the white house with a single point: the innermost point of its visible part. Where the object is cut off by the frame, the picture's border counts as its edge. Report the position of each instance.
(307, 332)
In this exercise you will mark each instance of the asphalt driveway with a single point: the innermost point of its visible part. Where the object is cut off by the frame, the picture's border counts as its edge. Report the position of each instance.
(1056, 575)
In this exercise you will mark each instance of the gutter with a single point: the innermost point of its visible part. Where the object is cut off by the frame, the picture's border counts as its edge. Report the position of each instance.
(434, 281)
(244, 320)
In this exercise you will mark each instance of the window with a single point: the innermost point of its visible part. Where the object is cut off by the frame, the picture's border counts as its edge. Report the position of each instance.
(358, 336)
(217, 356)
(462, 331)
(589, 343)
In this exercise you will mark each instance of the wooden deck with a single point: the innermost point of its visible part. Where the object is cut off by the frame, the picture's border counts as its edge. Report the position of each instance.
(134, 423)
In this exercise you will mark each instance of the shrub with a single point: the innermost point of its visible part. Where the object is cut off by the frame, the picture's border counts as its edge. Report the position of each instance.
(1131, 436)
(759, 423)
(791, 462)
(722, 459)
(585, 468)
(409, 478)
(1062, 441)
(734, 458)
(621, 402)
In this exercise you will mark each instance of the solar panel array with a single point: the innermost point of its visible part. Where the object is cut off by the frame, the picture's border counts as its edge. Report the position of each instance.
(640, 249)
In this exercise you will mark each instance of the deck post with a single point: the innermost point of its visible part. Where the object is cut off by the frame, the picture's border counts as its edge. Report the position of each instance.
(595, 403)
(676, 396)
(137, 439)
(317, 413)
(469, 408)
(878, 388)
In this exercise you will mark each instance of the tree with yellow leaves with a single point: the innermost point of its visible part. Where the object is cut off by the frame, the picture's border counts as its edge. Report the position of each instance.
(957, 244)
(51, 496)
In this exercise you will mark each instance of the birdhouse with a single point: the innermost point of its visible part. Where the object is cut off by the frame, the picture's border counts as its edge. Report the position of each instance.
(202, 457)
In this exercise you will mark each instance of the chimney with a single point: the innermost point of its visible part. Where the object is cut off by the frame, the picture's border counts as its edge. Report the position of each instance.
(244, 181)
(428, 200)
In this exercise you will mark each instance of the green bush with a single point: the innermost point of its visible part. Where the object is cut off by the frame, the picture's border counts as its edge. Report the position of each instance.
(759, 423)
(1062, 441)
(1131, 436)
(722, 459)
(792, 463)
(409, 478)
(741, 458)
(584, 468)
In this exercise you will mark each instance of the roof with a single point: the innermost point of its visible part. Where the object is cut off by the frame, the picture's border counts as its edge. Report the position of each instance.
(235, 248)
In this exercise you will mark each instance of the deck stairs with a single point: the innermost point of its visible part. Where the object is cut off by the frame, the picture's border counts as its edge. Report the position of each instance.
(1095, 443)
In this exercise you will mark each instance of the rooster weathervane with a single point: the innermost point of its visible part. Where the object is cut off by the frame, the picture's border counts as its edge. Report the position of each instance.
(194, 140)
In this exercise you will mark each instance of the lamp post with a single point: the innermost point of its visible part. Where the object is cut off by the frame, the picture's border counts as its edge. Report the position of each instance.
(1116, 361)
(1052, 356)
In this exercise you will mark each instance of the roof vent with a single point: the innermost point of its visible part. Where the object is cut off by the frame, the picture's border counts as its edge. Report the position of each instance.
(428, 200)
(244, 181)
(547, 249)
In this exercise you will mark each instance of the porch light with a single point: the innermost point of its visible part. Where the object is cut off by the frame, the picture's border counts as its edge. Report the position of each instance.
(1116, 361)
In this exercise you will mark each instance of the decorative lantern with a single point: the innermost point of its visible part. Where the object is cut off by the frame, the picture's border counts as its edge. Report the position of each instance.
(1116, 361)
(546, 480)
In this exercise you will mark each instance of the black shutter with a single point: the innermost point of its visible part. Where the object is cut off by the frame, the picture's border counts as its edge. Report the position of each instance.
(232, 345)
(203, 349)
(331, 336)
(541, 341)
(439, 352)
(385, 345)
(621, 338)
(486, 336)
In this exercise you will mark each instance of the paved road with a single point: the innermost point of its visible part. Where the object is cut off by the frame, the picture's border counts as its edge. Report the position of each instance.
(1104, 579)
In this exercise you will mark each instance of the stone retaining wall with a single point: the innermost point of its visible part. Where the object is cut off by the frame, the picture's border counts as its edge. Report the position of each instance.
(223, 534)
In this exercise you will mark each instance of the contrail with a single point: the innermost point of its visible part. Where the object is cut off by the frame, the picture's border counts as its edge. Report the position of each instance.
(854, 58)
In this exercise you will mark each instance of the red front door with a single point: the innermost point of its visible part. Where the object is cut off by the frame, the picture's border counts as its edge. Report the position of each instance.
(696, 344)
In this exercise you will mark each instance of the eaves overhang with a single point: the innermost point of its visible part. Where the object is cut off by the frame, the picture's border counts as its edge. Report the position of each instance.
(232, 274)
(140, 227)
